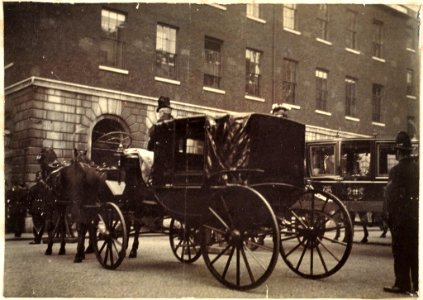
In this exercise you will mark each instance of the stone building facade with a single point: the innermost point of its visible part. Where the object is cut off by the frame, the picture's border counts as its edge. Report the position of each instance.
(62, 91)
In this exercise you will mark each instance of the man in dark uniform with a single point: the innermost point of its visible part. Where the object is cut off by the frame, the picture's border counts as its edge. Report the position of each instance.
(39, 207)
(17, 199)
(402, 193)
(165, 113)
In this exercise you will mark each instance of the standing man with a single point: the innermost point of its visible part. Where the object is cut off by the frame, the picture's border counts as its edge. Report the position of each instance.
(402, 192)
(164, 111)
(39, 207)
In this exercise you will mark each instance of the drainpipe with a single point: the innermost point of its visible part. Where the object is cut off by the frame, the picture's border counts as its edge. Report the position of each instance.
(274, 54)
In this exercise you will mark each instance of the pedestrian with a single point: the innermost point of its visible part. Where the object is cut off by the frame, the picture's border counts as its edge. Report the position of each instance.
(402, 193)
(39, 207)
(17, 197)
(280, 110)
(164, 111)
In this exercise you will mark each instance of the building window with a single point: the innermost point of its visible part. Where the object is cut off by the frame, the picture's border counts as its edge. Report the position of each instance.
(112, 44)
(377, 94)
(212, 63)
(409, 38)
(350, 96)
(166, 51)
(351, 29)
(289, 80)
(323, 20)
(253, 10)
(410, 82)
(411, 126)
(377, 38)
(289, 16)
(321, 89)
(253, 73)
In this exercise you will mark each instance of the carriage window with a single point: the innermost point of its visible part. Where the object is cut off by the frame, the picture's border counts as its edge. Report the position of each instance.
(386, 155)
(355, 159)
(322, 160)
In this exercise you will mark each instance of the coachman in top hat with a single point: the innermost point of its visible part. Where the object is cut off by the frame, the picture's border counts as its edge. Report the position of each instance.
(402, 196)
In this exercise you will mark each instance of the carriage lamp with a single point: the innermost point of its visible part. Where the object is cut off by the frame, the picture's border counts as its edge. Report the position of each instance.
(355, 193)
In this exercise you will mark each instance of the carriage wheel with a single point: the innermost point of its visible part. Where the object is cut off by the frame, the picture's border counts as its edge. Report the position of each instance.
(235, 220)
(316, 235)
(183, 241)
(111, 238)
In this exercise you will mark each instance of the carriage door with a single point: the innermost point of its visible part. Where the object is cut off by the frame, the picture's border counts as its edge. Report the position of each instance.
(107, 135)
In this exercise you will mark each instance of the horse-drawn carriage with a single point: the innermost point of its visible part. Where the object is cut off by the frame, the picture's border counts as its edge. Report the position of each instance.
(234, 188)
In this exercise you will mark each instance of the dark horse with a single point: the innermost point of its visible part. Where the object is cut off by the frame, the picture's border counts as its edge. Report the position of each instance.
(77, 186)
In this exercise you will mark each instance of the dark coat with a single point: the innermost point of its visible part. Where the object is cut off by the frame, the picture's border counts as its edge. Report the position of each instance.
(402, 193)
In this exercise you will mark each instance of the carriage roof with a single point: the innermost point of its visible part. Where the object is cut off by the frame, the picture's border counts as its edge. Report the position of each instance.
(206, 145)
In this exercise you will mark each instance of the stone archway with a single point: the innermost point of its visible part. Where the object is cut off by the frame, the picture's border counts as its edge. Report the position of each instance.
(105, 139)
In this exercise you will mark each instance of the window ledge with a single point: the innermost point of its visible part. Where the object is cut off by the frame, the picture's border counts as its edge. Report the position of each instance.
(378, 124)
(293, 106)
(411, 97)
(167, 80)
(8, 66)
(322, 112)
(112, 69)
(213, 90)
(218, 6)
(324, 41)
(292, 31)
(352, 119)
(410, 50)
(378, 59)
(353, 51)
(248, 97)
(259, 20)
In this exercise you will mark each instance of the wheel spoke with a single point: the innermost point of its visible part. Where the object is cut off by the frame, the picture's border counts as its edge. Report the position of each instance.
(330, 252)
(220, 254)
(302, 256)
(219, 218)
(228, 262)
(225, 206)
(335, 241)
(299, 219)
(214, 229)
(255, 258)
(247, 265)
(321, 258)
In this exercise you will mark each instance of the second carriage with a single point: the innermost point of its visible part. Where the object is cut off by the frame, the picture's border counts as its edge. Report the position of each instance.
(234, 188)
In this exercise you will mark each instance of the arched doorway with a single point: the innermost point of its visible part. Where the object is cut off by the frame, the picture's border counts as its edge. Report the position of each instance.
(106, 136)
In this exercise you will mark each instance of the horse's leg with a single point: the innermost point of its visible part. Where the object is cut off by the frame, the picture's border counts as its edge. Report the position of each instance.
(62, 250)
(137, 229)
(79, 256)
(363, 219)
(52, 236)
(352, 215)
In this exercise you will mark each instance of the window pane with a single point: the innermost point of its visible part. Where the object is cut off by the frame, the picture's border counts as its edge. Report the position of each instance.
(252, 72)
(355, 159)
(112, 45)
(322, 160)
(212, 63)
(166, 51)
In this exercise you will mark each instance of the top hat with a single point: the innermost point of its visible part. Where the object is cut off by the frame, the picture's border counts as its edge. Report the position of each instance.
(403, 141)
(163, 102)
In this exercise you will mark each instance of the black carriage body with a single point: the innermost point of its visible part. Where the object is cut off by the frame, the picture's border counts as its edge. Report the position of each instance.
(193, 156)
(355, 170)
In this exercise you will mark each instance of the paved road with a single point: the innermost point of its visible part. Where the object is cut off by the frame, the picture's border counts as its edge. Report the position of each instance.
(157, 273)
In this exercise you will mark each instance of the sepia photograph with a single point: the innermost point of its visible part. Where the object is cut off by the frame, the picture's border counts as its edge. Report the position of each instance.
(254, 149)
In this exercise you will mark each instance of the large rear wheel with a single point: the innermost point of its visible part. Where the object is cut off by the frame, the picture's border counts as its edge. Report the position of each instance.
(240, 237)
(316, 235)
(111, 238)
